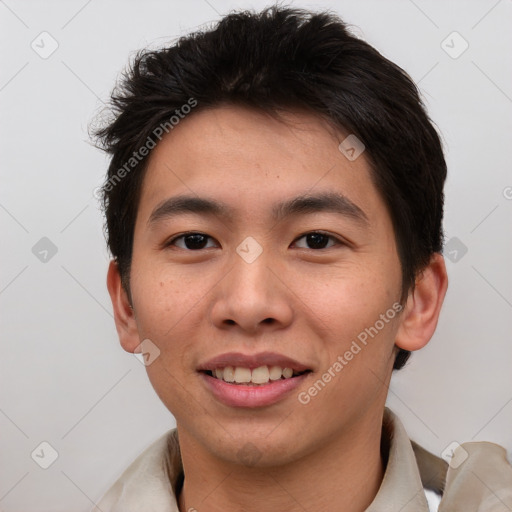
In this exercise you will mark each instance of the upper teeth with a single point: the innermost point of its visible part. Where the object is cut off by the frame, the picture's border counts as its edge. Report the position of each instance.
(260, 375)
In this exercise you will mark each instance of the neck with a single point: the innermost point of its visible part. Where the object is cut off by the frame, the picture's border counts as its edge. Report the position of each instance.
(345, 473)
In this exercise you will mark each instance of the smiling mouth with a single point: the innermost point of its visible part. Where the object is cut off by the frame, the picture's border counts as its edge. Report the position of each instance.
(257, 376)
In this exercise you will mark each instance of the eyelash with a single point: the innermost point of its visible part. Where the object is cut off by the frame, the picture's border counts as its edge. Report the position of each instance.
(336, 240)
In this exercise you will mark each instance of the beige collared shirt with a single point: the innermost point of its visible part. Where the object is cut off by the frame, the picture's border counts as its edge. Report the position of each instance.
(481, 482)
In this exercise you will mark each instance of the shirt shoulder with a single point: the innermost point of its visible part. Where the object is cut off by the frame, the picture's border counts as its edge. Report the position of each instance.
(147, 482)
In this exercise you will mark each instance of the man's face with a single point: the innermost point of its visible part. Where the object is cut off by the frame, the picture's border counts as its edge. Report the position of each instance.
(249, 281)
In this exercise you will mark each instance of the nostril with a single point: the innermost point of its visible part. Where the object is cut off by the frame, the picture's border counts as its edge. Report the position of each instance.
(269, 320)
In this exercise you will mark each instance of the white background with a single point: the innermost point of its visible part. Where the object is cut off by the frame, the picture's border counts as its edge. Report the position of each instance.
(64, 377)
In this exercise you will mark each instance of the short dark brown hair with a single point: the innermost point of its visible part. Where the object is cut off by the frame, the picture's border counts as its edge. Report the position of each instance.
(274, 60)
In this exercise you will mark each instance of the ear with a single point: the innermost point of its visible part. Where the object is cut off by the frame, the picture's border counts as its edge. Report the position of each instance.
(421, 312)
(124, 316)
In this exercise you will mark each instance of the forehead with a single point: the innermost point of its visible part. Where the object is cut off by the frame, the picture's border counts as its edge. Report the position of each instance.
(251, 160)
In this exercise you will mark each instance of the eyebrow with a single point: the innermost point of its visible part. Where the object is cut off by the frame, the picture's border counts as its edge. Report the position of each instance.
(301, 205)
(188, 204)
(326, 202)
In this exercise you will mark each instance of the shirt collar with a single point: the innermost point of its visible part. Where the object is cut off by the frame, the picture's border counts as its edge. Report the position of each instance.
(401, 488)
(152, 481)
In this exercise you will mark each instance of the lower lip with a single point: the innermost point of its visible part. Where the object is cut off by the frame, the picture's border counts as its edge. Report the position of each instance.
(240, 395)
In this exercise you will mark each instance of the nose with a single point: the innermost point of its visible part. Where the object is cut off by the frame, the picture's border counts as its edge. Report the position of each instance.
(252, 298)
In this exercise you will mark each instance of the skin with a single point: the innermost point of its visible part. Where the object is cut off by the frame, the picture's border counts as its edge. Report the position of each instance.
(305, 303)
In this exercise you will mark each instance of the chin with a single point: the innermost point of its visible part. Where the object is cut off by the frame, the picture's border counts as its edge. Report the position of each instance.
(257, 447)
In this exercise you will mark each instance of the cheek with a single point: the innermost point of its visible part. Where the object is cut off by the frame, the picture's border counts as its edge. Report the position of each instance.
(345, 301)
(160, 296)
(165, 307)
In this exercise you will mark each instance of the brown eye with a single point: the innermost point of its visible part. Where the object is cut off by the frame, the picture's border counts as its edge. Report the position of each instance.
(316, 240)
(193, 241)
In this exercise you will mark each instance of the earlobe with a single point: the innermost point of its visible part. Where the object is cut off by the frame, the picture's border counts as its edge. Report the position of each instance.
(421, 313)
(123, 312)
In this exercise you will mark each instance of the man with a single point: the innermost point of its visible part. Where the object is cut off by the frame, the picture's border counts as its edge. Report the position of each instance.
(274, 210)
